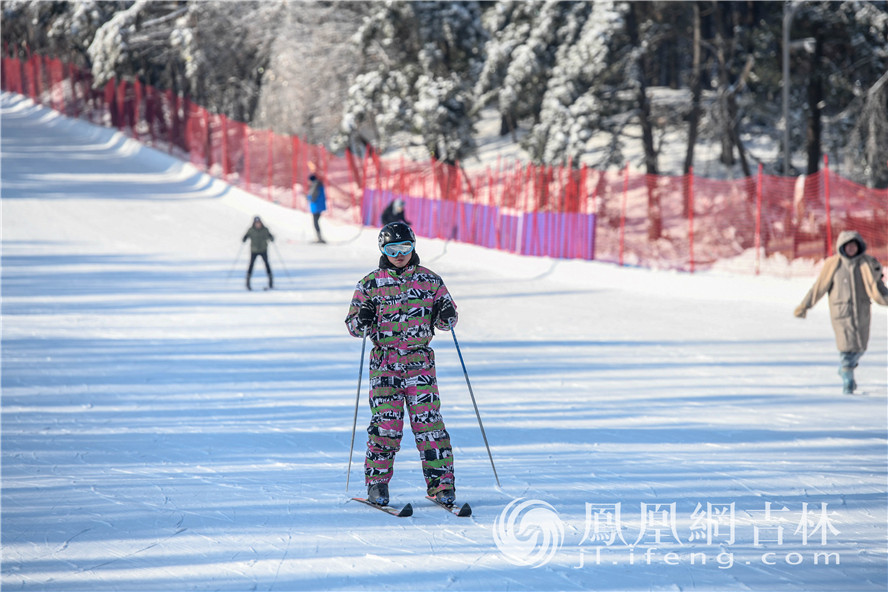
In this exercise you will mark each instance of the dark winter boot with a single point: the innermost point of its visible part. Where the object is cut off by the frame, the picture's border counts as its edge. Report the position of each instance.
(378, 494)
(848, 383)
(446, 497)
(248, 282)
(270, 281)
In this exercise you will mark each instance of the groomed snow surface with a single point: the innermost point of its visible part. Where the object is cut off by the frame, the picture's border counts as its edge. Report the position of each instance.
(165, 429)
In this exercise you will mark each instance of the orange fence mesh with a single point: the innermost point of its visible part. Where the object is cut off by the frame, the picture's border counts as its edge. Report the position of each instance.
(626, 217)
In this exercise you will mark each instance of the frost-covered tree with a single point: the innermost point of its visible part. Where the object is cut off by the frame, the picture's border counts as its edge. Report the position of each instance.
(215, 52)
(583, 95)
(521, 53)
(311, 67)
(61, 29)
(422, 60)
(734, 62)
(569, 74)
(867, 149)
(842, 71)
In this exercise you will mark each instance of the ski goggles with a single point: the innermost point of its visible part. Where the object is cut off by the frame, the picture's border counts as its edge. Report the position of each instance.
(396, 249)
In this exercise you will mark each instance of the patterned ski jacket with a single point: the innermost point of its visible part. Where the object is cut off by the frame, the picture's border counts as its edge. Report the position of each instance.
(404, 300)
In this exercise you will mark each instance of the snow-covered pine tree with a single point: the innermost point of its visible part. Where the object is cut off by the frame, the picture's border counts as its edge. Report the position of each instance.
(215, 52)
(842, 69)
(422, 61)
(521, 53)
(61, 29)
(311, 67)
(583, 94)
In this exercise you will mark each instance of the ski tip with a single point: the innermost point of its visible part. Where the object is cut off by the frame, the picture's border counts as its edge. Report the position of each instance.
(406, 511)
(462, 511)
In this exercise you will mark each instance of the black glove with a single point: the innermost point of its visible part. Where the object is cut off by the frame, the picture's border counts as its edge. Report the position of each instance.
(366, 315)
(443, 309)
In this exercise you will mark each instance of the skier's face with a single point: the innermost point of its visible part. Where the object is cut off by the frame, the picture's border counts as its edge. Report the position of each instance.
(399, 261)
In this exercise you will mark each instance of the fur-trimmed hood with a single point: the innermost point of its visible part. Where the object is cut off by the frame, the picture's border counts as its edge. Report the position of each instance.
(845, 237)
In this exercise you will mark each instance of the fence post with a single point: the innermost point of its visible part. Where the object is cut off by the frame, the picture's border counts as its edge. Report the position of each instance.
(594, 222)
(270, 157)
(294, 169)
(226, 157)
(137, 109)
(758, 220)
(362, 187)
(828, 245)
(691, 216)
(623, 212)
(175, 131)
(247, 131)
(150, 101)
(208, 144)
(72, 75)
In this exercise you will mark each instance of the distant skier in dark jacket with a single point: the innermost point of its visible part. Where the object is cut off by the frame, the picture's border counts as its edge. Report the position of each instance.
(400, 305)
(259, 237)
(394, 212)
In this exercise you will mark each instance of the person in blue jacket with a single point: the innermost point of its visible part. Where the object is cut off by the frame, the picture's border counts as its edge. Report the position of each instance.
(317, 199)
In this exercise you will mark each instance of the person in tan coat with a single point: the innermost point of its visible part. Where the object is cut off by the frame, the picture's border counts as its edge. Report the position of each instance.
(852, 278)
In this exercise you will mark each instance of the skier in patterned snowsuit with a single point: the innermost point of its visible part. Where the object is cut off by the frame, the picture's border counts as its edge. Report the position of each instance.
(400, 305)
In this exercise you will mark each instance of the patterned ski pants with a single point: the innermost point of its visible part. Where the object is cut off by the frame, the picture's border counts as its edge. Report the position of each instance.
(406, 378)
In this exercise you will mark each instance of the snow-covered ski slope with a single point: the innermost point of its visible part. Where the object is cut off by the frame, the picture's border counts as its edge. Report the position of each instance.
(165, 429)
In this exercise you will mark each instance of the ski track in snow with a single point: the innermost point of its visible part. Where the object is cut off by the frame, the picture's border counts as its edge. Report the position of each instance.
(165, 429)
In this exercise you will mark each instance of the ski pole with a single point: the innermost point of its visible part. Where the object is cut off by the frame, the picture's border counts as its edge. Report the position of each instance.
(351, 447)
(236, 259)
(287, 271)
(475, 405)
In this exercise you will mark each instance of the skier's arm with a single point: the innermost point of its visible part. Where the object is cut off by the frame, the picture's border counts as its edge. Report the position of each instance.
(872, 280)
(820, 287)
(444, 313)
(361, 313)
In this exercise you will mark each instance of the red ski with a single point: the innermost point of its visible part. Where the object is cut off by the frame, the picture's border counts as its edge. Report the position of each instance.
(399, 512)
(461, 511)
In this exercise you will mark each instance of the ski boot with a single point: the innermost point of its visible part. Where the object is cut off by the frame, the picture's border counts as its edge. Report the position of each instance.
(848, 382)
(446, 497)
(378, 494)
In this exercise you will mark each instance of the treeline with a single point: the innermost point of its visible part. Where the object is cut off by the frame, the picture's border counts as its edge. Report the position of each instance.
(573, 82)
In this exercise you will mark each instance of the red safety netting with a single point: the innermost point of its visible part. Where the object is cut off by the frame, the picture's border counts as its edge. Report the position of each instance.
(624, 216)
